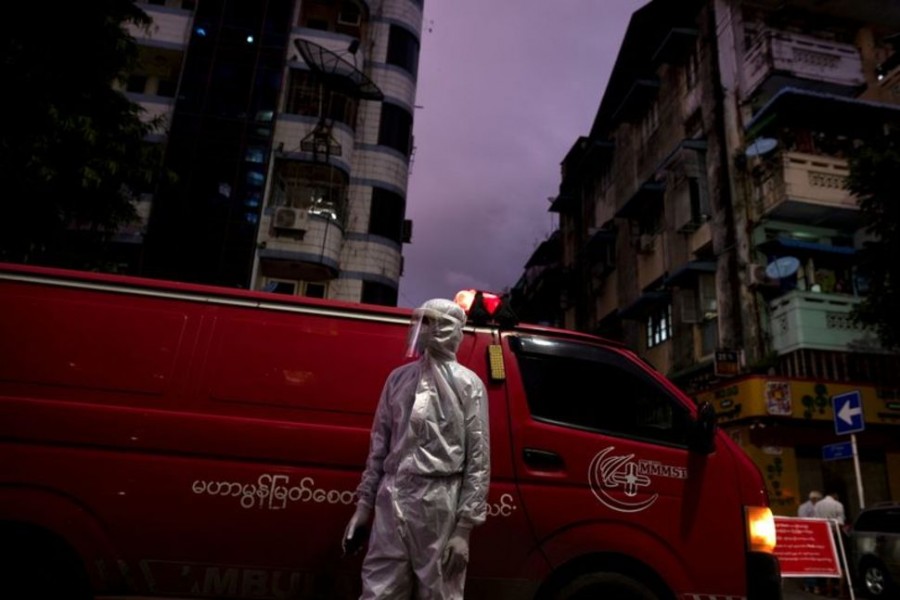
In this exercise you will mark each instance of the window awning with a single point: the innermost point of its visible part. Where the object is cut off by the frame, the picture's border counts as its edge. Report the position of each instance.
(600, 237)
(675, 44)
(804, 248)
(548, 252)
(646, 193)
(687, 272)
(644, 303)
(799, 107)
(562, 203)
(638, 97)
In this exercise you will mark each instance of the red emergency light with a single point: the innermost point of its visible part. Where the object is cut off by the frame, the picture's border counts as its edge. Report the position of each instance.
(483, 307)
(466, 298)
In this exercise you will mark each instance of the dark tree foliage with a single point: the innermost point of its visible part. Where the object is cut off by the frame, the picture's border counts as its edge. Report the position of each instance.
(875, 180)
(72, 149)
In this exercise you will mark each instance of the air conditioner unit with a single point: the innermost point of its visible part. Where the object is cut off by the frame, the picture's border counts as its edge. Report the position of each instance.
(291, 218)
(646, 243)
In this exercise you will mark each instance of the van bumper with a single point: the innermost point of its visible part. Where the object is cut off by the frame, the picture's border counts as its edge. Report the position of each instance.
(763, 577)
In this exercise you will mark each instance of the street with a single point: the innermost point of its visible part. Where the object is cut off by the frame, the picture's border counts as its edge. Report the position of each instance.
(793, 590)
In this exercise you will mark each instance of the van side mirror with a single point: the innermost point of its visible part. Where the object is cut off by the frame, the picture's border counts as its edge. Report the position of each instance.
(703, 434)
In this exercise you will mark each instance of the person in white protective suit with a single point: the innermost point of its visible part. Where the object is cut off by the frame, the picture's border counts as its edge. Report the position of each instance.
(428, 468)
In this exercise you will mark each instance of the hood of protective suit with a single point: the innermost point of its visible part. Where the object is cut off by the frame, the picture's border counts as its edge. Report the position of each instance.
(438, 328)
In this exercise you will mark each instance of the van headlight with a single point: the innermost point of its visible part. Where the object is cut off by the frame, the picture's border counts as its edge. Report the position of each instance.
(760, 529)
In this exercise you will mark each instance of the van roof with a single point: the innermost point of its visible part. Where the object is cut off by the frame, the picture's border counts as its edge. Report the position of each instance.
(198, 292)
(112, 281)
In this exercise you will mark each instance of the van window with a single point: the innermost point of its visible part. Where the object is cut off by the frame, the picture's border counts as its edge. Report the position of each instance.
(593, 388)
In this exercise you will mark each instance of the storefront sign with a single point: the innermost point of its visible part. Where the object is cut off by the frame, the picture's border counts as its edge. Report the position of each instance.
(727, 363)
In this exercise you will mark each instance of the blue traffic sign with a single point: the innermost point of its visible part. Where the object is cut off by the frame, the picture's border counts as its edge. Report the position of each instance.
(837, 451)
(848, 415)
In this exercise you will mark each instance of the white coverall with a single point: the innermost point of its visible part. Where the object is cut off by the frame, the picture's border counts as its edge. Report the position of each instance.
(428, 468)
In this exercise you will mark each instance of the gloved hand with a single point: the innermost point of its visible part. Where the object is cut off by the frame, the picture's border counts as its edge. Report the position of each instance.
(456, 552)
(352, 540)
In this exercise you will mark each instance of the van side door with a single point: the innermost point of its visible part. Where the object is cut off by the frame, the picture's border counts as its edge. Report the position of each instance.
(601, 451)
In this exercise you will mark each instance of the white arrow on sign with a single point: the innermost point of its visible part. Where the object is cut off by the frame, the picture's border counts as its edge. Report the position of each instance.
(846, 413)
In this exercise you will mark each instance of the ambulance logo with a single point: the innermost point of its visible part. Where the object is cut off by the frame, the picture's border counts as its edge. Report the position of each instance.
(613, 476)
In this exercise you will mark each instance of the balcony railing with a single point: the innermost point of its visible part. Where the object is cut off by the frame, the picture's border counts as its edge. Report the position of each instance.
(802, 58)
(808, 188)
(802, 320)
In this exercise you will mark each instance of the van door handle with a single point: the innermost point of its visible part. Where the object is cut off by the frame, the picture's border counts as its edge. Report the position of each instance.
(543, 460)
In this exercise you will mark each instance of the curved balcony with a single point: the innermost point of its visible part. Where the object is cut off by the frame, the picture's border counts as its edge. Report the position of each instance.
(297, 244)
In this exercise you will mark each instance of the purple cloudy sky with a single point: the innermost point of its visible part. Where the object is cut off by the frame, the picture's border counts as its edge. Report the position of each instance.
(504, 90)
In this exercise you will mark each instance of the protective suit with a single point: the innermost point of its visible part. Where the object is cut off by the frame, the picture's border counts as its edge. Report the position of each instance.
(428, 467)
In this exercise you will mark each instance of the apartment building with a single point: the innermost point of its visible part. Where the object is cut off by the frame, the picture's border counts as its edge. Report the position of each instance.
(288, 127)
(704, 221)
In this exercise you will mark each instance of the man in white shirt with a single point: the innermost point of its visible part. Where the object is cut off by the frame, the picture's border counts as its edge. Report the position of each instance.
(830, 507)
(808, 508)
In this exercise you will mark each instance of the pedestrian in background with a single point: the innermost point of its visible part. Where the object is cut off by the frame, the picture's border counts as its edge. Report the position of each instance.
(830, 508)
(808, 509)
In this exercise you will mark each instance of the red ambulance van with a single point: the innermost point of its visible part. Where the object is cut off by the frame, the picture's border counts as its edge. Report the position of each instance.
(160, 439)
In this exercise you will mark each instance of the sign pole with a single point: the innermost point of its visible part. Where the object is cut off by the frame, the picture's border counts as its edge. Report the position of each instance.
(859, 487)
(836, 531)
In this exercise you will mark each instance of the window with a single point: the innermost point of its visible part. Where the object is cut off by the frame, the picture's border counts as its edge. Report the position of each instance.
(386, 214)
(692, 67)
(709, 337)
(374, 292)
(314, 290)
(707, 298)
(596, 389)
(885, 520)
(659, 326)
(136, 84)
(350, 14)
(166, 88)
(321, 189)
(403, 50)
(341, 16)
(281, 287)
(395, 129)
(650, 122)
(296, 288)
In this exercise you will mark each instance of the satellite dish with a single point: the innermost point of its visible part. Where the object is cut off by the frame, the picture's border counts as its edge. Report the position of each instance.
(761, 146)
(782, 267)
(339, 73)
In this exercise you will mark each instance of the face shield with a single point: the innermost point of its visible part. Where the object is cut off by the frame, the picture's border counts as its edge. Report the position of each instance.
(435, 326)
(418, 333)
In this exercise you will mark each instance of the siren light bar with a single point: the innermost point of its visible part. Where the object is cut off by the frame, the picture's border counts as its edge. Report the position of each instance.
(484, 307)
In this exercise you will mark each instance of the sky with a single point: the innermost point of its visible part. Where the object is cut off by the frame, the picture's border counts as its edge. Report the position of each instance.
(504, 90)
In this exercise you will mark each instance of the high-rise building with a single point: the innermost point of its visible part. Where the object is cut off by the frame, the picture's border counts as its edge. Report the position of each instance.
(704, 220)
(288, 127)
